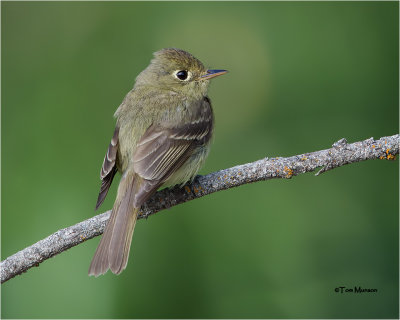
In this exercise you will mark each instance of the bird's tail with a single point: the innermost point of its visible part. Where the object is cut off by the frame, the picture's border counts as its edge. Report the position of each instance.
(113, 250)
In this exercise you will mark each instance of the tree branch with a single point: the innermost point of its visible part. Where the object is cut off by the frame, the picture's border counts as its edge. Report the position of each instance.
(340, 154)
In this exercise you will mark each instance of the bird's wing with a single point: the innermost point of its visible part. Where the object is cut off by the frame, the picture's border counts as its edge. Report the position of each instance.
(109, 168)
(162, 151)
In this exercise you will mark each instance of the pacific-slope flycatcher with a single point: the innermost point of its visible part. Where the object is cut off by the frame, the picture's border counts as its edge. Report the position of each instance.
(162, 137)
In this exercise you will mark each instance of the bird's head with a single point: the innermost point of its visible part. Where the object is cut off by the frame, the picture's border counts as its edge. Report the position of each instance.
(178, 71)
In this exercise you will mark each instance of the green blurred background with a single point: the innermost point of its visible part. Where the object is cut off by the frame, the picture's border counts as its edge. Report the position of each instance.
(302, 76)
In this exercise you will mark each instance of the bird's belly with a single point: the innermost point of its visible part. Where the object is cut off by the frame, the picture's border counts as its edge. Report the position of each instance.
(190, 168)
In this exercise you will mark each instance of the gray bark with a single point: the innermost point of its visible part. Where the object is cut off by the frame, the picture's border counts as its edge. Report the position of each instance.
(340, 154)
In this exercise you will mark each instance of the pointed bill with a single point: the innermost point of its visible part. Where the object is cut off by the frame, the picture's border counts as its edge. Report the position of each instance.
(212, 74)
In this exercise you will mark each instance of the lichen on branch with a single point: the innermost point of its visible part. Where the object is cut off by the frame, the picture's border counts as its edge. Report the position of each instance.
(340, 154)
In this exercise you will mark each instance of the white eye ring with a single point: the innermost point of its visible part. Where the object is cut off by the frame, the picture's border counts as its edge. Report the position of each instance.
(182, 75)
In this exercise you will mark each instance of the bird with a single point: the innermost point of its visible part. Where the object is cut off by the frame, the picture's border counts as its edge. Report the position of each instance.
(162, 137)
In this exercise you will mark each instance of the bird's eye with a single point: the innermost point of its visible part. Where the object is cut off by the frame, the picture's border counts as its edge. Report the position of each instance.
(182, 75)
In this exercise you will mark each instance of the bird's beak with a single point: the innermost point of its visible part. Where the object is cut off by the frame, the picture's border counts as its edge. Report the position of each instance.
(212, 74)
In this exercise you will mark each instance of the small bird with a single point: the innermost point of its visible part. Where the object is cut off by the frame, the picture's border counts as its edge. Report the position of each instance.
(162, 138)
